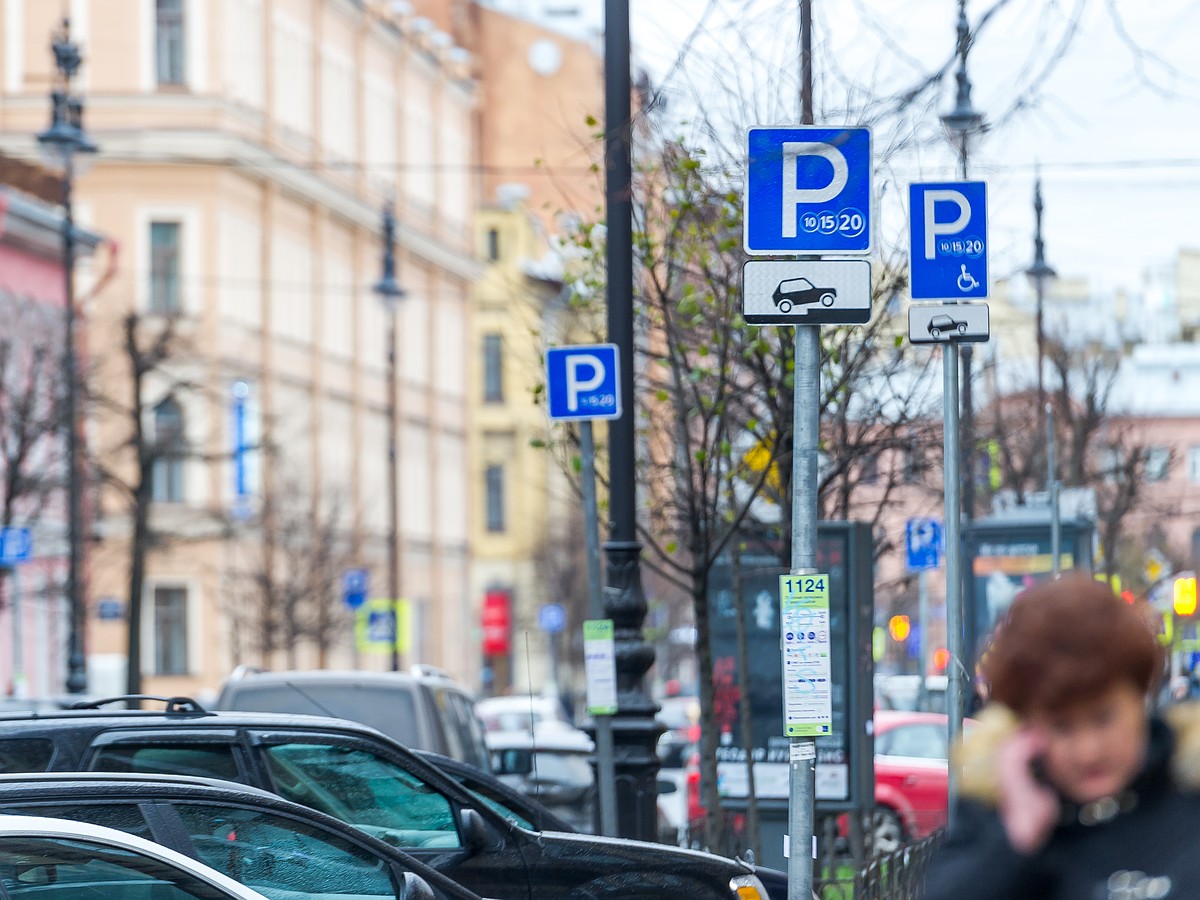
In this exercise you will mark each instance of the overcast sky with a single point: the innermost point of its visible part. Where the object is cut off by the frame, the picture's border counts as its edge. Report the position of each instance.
(1113, 119)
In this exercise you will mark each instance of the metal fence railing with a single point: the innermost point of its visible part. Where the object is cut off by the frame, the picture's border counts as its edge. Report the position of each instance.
(899, 875)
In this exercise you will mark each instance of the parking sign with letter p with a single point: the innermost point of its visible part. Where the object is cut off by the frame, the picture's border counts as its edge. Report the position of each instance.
(948, 251)
(583, 382)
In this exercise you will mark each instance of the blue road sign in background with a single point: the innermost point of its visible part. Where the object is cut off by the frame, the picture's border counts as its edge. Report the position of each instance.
(16, 546)
(948, 251)
(808, 190)
(583, 382)
(923, 544)
(354, 587)
(552, 618)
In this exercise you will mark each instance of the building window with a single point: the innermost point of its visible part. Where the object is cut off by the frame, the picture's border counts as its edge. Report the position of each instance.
(493, 245)
(170, 631)
(166, 476)
(495, 498)
(1158, 463)
(164, 267)
(1193, 465)
(915, 465)
(168, 29)
(868, 472)
(493, 369)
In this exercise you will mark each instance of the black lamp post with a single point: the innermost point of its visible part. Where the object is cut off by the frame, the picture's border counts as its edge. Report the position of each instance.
(962, 124)
(391, 294)
(61, 142)
(1040, 273)
(635, 731)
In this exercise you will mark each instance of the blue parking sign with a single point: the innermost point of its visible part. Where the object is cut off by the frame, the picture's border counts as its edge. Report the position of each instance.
(808, 190)
(923, 544)
(948, 250)
(583, 382)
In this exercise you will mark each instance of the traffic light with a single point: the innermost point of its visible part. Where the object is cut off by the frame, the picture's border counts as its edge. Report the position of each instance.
(1185, 596)
(899, 628)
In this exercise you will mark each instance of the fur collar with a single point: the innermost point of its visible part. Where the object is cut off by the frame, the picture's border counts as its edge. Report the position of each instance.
(977, 753)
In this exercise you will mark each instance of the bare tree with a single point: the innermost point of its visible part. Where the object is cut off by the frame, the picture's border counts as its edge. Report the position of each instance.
(305, 549)
(143, 413)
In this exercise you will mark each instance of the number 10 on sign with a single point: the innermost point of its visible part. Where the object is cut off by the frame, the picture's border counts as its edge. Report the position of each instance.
(807, 706)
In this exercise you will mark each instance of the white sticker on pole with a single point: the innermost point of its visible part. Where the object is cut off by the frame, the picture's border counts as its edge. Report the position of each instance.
(600, 667)
(807, 701)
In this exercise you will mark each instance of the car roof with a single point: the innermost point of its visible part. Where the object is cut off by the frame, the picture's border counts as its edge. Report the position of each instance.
(549, 739)
(42, 826)
(126, 779)
(202, 718)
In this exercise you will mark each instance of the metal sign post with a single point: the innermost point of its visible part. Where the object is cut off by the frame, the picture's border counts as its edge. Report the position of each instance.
(923, 540)
(1054, 487)
(954, 624)
(582, 384)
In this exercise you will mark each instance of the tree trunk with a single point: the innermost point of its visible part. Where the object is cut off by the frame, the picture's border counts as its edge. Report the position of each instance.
(137, 579)
(708, 726)
(753, 835)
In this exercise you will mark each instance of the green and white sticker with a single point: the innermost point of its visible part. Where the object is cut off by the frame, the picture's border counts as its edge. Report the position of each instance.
(804, 621)
(600, 667)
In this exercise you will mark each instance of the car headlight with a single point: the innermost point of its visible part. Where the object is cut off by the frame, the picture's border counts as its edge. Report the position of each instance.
(747, 887)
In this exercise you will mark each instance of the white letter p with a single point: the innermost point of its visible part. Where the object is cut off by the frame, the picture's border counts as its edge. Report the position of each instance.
(793, 194)
(576, 385)
(932, 229)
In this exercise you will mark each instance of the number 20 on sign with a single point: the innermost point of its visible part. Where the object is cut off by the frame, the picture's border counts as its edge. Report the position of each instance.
(807, 706)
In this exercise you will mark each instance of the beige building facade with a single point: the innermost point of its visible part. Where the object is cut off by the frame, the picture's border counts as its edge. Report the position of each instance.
(248, 147)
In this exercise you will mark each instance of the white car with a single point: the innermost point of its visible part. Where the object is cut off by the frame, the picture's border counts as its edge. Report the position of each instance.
(55, 859)
(522, 712)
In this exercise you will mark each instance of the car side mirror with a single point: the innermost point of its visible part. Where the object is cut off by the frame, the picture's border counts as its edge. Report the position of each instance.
(512, 762)
(478, 832)
(666, 786)
(414, 887)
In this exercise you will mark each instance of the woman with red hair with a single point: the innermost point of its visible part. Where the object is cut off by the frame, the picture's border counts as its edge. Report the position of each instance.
(1070, 788)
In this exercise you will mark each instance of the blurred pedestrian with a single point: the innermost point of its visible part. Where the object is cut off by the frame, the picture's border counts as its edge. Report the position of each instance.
(1070, 788)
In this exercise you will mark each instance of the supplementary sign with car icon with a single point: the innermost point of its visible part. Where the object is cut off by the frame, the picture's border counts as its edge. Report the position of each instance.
(808, 292)
(939, 323)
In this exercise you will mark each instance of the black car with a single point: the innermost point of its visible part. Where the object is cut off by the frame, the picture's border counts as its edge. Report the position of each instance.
(360, 776)
(280, 849)
(799, 292)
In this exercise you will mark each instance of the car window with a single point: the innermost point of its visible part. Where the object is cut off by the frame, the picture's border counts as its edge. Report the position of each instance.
(470, 731)
(126, 817)
(918, 741)
(25, 755)
(366, 790)
(452, 730)
(388, 708)
(568, 769)
(204, 760)
(283, 857)
(48, 868)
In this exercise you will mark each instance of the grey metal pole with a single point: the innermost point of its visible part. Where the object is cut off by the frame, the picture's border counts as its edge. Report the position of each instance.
(803, 751)
(954, 612)
(1053, 486)
(76, 658)
(605, 767)
(923, 615)
(18, 637)
(393, 464)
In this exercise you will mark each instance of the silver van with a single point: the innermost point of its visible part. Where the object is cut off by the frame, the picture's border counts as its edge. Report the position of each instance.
(424, 709)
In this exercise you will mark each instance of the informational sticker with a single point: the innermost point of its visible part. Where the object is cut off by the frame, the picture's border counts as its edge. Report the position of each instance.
(807, 700)
(600, 667)
(803, 750)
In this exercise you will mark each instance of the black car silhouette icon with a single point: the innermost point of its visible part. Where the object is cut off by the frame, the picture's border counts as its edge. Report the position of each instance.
(940, 325)
(799, 291)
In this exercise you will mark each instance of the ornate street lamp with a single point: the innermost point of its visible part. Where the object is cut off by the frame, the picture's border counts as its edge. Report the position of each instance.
(391, 294)
(62, 143)
(1041, 274)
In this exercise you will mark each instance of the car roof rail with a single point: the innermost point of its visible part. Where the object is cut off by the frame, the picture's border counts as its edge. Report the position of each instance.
(177, 705)
(244, 670)
(425, 670)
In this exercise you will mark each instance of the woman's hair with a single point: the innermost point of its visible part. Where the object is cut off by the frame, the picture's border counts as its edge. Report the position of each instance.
(1065, 641)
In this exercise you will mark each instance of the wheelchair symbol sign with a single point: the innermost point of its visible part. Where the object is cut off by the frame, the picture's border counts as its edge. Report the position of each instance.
(948, 253)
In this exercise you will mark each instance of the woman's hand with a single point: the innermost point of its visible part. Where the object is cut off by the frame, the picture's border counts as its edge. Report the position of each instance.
(1029, 809)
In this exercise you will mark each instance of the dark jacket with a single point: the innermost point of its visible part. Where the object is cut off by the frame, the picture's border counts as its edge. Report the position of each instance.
(1145, 843)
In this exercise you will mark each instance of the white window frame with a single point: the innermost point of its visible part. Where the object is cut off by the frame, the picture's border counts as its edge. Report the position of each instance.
(195, 642)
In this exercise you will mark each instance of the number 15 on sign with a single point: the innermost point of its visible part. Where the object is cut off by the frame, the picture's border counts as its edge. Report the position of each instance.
(804, 619)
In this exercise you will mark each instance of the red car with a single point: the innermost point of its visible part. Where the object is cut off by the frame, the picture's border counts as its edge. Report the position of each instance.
(910, 775)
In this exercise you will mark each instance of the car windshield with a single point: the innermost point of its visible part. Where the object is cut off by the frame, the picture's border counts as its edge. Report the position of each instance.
(365, 790)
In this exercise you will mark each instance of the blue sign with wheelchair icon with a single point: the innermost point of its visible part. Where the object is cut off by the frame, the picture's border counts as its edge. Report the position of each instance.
(948, 251)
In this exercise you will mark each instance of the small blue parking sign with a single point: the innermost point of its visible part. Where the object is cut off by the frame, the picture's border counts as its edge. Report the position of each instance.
(808, 190)
(583, 382)
(552, 618)
(948, 251)
(923, 543)
(354, 587)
